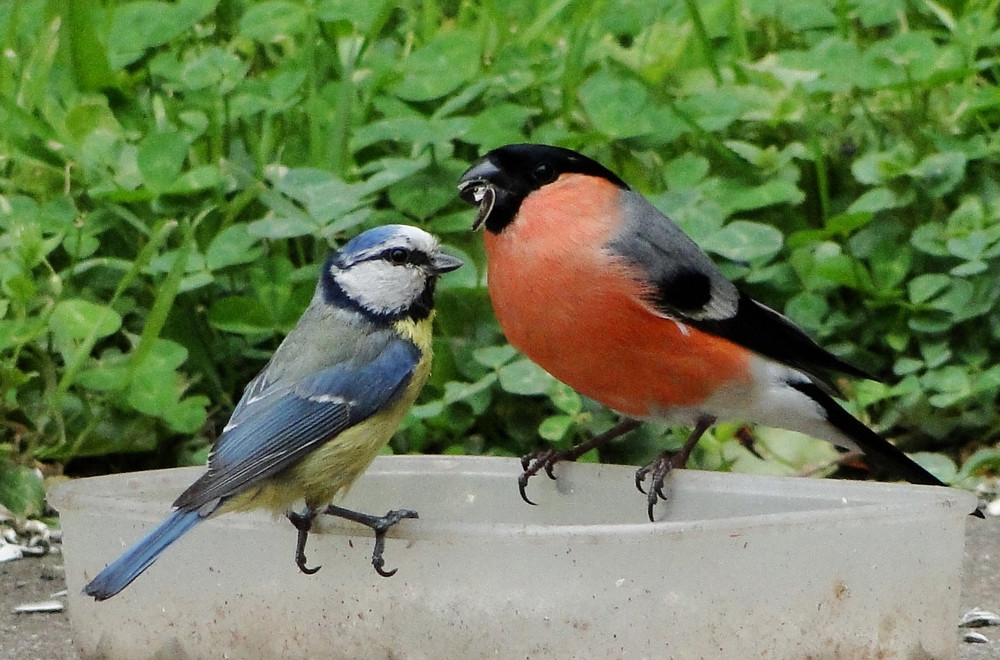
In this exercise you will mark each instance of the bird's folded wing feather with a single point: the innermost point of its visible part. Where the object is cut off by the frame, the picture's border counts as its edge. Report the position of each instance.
(277, 424)
(686, 286)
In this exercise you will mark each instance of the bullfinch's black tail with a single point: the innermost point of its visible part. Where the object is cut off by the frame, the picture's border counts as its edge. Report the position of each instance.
(140, 556)
(880, 451)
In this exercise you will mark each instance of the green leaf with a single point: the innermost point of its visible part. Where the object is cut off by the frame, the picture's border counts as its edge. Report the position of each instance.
(232, 246)
(74, 320)
(204, 177)
(362, 14)
(969, 268)
(742, 240)
(241, 315)
(272, 20)
(737, 196)
(525, 378)
(620, 107)
(494, 357)
(685, 171)
(418, 130)
(274, 226)
(874, 201)
(808, 310)
(476, 395)
(554, 428)
(22, 490)
(428, 191)
(504, 123)
(441, 66)
(939, 465)
(984, 462)
(141, 25)
(940, 172)
(924, 287)
(325, 196)
(160, 158)
(565, 398)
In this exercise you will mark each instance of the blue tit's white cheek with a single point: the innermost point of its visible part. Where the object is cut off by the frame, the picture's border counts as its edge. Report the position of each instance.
(381, 287)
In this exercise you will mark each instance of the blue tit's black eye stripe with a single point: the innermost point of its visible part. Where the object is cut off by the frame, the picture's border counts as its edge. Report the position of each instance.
(399, 256)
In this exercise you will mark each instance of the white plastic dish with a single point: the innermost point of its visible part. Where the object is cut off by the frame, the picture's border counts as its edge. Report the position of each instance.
(738, 566)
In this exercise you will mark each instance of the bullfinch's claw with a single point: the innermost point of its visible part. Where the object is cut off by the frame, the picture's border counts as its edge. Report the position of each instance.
(546, 459)
(534, 463)
(665, 462)
(657, 471)
(303, 523)
(378, 524)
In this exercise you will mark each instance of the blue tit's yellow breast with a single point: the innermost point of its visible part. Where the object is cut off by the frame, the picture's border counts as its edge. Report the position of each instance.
(332, 468)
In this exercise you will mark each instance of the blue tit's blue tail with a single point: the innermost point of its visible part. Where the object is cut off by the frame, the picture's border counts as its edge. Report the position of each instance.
(140, 556)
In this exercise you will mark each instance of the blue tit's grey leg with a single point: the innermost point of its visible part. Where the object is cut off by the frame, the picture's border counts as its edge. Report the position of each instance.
(303, 523)
(534, 462)
(379, 525)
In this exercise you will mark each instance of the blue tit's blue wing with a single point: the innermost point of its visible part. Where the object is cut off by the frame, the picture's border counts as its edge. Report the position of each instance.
(277, 424)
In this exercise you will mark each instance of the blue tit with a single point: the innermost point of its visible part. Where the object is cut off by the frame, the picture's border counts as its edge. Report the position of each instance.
(326, 403)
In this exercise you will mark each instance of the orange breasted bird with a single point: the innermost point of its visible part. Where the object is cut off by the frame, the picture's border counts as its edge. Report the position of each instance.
(606, 293)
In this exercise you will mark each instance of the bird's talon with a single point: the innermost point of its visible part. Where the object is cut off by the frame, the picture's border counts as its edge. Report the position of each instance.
(303, 523)
(381, 527)
(640, 476)
(532, 464)
(522, 485)
(305, 569)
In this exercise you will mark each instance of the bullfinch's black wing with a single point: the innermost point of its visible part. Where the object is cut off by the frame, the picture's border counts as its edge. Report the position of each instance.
(686, 286)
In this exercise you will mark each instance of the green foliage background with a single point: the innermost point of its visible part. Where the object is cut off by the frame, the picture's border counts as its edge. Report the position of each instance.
(172, 173)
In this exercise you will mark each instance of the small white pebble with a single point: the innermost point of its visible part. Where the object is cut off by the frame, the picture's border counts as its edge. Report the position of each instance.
(10, 553)
(978, 618)
(993, 508)
(43, 606)
(36, 527)
(975, 638)
(32, 550)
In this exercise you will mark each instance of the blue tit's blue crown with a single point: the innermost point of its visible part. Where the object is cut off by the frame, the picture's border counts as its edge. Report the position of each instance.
(370, 240)
(387, 273)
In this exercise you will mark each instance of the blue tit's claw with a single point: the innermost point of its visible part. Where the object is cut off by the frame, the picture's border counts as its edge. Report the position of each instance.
(303, 523)
(379, 525)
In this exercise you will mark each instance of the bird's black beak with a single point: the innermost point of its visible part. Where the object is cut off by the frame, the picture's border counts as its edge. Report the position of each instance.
(476, 188)
(445, 263)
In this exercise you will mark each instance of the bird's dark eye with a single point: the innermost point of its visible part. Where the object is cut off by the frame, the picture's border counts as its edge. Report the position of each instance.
(398, 256)
(544, 173)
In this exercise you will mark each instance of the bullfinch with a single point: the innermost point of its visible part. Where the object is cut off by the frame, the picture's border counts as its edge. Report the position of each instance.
(325, 404)
(606, 293)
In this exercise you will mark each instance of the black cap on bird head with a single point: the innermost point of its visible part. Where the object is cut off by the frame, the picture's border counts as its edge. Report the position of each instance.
(501, 179)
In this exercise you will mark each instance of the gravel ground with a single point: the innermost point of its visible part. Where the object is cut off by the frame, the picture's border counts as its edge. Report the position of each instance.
(47, 636)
